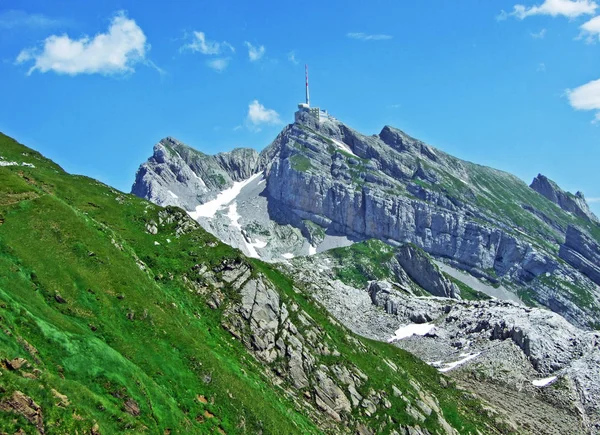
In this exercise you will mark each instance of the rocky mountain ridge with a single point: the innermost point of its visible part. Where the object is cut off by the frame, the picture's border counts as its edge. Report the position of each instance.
(325, 185)
(179, 175)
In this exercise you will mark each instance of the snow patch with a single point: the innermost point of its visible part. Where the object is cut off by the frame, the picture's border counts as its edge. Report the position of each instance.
(198, 178)
(343, 146)
(544, 382)
(288, 255)
(7, 163)
(312, 250)
(453, 365)
(234, 216)
(259, 243)
(410, 330)
(252, 247)
(210, 208)
(172, 194)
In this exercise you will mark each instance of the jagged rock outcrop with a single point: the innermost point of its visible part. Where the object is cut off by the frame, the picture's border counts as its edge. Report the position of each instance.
(295, 348)
(575, 204)
(581, 252)
(178, 175)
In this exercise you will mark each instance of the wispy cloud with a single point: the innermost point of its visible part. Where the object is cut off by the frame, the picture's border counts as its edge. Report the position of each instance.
(259, 115)
(12, 19)
(203, 45)
(255, 52)
(586, 97)
(394, 106)
(219, 64)
(541, 67)
(554, 8)
(292, 57)
(367, 37)
(538, 35)
(594, 199)
(115, 52)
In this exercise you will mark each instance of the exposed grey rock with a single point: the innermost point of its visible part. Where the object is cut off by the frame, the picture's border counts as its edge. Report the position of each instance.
(260, 306)
(575, 204)
(425, 272)
(581, 252)
(329, 396)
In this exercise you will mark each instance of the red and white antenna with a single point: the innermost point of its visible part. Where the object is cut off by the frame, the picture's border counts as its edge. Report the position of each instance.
(307, 95)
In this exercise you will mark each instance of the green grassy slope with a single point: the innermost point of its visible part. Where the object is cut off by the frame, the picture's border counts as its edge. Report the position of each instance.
(101, 310)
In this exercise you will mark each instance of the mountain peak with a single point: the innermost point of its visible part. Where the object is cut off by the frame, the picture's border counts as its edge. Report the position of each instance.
(573, 203)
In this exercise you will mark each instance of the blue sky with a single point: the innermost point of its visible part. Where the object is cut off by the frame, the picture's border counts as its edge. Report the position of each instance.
(509, 84)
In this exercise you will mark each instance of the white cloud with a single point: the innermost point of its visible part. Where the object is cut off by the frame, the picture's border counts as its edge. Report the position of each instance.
(367, 37)
(255, 53)
(591, 29)
(205, 46)
(292, 57)
(586, 97)
(113, 52)
(259, 114)
(219, 64)
(12, 19)
(539, 35)
(591, 200)
(554, 8)
(541, 67)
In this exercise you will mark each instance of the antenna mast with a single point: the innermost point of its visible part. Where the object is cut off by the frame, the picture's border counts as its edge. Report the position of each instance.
(307, 95)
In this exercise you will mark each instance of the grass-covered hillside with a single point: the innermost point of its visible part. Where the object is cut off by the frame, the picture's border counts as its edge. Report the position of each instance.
(105, 328)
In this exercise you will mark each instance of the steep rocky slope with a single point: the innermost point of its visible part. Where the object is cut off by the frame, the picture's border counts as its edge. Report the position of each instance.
(501, 349)
(321, 185)
(118, 315)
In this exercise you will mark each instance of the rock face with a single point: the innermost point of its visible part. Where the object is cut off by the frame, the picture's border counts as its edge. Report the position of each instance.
(575, 204)
(581, 252)
(23, 405)
(424, 272)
